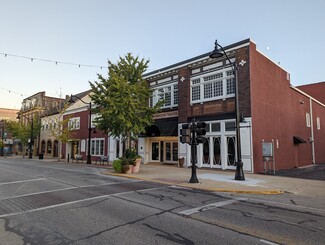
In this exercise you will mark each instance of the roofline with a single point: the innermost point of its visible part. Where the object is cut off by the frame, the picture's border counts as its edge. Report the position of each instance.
(182, 63)
(307, 95)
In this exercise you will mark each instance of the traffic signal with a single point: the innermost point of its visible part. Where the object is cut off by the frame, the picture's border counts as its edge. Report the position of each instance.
(200, 131)
(185, 133)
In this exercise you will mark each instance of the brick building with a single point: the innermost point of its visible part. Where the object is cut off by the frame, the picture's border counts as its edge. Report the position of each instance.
(276, 113)
(35, 107)
(77, 115)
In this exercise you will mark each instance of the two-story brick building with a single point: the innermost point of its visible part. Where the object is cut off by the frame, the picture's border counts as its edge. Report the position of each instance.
(275, 112)
(77, 115)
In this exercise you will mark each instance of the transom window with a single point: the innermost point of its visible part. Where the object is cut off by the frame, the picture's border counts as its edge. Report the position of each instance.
(219, 85)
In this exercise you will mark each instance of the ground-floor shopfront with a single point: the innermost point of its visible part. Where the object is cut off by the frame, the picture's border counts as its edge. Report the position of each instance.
(219, 149)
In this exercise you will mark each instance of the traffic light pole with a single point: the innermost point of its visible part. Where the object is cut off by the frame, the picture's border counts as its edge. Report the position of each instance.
(193, 154)
(191, 133)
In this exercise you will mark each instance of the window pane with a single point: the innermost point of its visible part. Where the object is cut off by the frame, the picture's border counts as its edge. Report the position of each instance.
(175, 94)
(230, 86)
(217, 88)
(230, 126)
(215, 127)
(196, 93)
(207, 90)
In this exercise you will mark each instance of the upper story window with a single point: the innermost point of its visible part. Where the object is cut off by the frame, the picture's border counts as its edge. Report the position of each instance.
(74, 123)
(167, 93)
(218, 85)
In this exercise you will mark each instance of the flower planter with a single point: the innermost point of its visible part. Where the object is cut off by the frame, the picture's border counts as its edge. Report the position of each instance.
(127, 169)
(136, 168)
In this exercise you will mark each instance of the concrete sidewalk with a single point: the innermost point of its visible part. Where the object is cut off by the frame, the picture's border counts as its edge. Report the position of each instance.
(223, 181)
(216, 180)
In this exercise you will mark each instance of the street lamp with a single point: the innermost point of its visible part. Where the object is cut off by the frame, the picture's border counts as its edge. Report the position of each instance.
(31, 142)
(89, 124)
(217, 53)
(2, 136)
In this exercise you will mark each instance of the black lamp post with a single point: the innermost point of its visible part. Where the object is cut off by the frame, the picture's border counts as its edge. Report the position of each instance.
(217, 53)
(89, 125)
(31, 142)
(2, 136)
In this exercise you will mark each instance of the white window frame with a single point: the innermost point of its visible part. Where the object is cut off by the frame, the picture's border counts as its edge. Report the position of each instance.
(74, 123)
(156, 95)
(210, 80)
(97, 146)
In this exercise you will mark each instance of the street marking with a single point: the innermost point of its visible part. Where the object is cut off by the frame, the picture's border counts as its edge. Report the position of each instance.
(211, 206)
(64, 189)
(21, 181)
(53, 206)
(268, 242)
(151, 189)
(71, 202)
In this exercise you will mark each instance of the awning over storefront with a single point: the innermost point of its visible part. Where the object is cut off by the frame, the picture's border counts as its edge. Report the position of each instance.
(163, 128)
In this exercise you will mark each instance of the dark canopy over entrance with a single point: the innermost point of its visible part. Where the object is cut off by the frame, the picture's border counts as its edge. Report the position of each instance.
(163, 128)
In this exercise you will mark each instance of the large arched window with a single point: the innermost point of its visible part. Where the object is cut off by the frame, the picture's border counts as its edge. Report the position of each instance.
(43, 146)
(49, 146)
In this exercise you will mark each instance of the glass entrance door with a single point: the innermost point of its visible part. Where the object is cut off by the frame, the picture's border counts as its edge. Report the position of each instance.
(171, 152)
(155, 152)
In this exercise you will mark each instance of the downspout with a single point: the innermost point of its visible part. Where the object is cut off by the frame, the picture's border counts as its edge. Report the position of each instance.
(312, 131)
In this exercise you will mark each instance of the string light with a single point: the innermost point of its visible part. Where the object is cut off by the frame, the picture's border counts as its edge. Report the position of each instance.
(50, 61)
(14, 92)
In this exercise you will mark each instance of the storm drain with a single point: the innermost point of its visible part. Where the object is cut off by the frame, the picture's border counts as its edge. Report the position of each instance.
(27, 203)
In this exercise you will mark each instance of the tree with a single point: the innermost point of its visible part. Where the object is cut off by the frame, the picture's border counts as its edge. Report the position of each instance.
(23, 132)
(122, 100)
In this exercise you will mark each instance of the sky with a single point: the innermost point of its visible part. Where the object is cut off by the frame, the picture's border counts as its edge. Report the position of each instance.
(91, 32)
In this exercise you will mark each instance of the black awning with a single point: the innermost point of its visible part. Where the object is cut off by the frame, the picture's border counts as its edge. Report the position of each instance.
(297, 140)
(163, 128)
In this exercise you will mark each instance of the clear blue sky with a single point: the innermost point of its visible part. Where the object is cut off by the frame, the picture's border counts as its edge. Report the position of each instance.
(291, 32)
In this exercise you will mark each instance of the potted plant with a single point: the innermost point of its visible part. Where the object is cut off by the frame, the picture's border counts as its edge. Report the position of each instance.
(128, 160)
(137, 164)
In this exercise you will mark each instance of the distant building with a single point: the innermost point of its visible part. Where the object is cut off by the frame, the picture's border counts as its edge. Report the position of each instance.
(35, 107)
(7, 141)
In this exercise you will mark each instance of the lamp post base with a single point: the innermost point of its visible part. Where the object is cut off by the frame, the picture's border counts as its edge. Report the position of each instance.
(239, 171)
(194, 178)
(88, 159)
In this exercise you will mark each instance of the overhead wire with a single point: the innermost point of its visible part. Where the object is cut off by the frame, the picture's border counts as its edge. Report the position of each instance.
(56, 62)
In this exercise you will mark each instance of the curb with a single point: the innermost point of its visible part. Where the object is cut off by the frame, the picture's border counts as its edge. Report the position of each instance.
(255, 192)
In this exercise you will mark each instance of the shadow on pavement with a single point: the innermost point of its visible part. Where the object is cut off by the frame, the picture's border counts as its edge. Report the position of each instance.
(314, 172)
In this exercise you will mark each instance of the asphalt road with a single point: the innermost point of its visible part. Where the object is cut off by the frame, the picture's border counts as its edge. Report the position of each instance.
(56, 203)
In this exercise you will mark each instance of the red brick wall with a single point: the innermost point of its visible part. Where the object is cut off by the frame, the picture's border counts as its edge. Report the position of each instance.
(316, 90)
(82, 133)
(277, 114)
(184, 89)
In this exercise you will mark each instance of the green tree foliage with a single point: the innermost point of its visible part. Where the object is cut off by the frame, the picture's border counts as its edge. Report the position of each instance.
(23, 132)
(122, 99)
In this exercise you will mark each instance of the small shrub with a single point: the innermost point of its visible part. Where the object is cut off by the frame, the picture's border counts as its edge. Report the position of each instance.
(117, 165)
